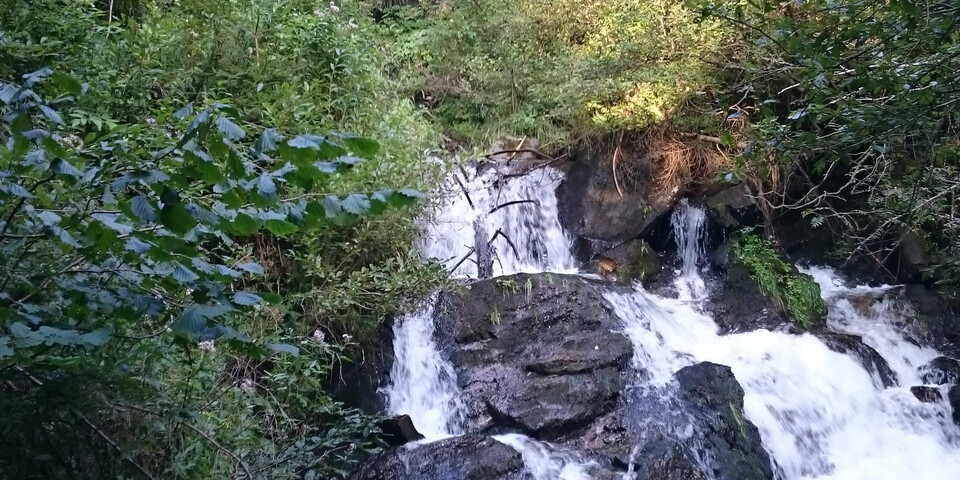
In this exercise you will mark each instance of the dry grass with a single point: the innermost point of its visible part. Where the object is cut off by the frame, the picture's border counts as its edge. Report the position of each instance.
(672, 160)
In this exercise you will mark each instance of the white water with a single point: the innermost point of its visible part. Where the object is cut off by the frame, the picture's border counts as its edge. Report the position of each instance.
(533, 226)
(820, 413)
(543, 461)
(423, 384)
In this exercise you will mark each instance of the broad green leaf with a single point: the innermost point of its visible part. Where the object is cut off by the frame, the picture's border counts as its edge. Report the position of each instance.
(141, 207)
(176, 218)
(51, 114)
(67, 83)
(356, 203)
(267, 142)
(364, 147)
(247, 299)
(184, 275)
(244, 224)
(230, 130)
(280, 228)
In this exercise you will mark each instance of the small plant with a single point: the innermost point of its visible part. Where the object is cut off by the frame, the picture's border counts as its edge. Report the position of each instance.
(796, 293)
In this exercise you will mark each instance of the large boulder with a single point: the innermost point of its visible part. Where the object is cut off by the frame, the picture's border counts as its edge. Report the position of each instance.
(469, 457)
(739, 305)
(535, 353)
(706, 402)
(729, 440)
(734, 207)
(628, 261)
(937, 319)
(595, 205)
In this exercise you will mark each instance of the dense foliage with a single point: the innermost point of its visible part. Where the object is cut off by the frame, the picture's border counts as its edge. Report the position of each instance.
(559, 70)
(189, 257)
(853, 120)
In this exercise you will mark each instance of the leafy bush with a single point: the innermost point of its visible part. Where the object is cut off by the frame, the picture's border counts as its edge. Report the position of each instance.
(796, 293)
(558, 70)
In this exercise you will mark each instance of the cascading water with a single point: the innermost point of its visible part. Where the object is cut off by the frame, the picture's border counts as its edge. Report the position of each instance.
(821, 414)
(524, 212)
(424, 385)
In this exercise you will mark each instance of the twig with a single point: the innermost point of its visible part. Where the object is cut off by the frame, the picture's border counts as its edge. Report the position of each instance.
(515, 202)
(465, 194)
(464, 259)
(520, 150)
(505, 237)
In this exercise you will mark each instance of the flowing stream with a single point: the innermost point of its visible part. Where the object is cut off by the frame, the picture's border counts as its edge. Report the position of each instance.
(821, 414)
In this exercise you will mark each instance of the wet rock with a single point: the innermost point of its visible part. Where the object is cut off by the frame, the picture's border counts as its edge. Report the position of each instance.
(592, 206)
(870, 359)
(953, 397)
(469, 457)
(913, 258)
(538, 353)
(734, 207)
(941, 371)
(937, 321)
(926, 394)
(399, 430)
(729, 440)
(740, 305)
(632, 260)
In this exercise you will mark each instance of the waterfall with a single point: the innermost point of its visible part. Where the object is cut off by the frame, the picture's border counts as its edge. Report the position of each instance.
(423, 384)
(519, 221)
(820, 413)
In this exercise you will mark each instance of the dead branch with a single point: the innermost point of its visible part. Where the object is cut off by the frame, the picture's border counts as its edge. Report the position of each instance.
(464, 189)
(515, 202)
(505, 237)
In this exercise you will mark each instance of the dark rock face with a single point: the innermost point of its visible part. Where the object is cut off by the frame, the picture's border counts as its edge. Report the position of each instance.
(740, 306)
(941, 371)
(470, 457)
(730, 441)
(537, 353)
(399, 430)
(938, 319)
(734, 207)
(953, 396)
(592, 207)
(926, 394)
(869, 358)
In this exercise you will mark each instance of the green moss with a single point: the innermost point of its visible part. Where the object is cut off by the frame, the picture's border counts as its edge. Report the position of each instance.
(797, 293)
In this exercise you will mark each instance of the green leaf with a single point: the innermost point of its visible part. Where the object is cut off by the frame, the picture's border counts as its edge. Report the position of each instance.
(364, 147)
(175, 217)
(271, 298)
(51, 114)
(62, 166)
(184, 275)
(247, 299)
(230, 130)
(267, 142)
(193, 322)
(244, 224)
(280, 228)
(284, 348)
(67, 83)
(356, 203)
(184, 111)
(141, 207)
(251, 267)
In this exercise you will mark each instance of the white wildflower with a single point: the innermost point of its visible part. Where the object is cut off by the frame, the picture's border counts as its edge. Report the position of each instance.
(318, 336)
(334, 8)
(350, 24)
(347, 337)
(206, 346)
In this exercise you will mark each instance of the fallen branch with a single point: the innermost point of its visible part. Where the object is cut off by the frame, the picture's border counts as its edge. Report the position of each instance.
(519, 150)
(505, 237)
(464, 189)
(515, 202)
(702, 137)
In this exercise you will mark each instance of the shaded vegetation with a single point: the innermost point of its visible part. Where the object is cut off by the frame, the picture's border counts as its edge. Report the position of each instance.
(796, 293)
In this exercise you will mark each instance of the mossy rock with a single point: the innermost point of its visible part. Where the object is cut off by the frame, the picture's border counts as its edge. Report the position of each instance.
(796, 293)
